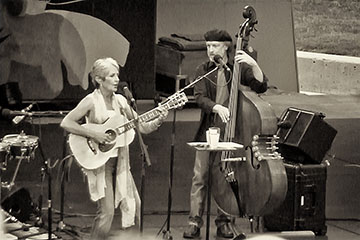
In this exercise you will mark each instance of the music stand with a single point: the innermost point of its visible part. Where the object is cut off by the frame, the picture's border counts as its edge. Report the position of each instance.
(204, 146)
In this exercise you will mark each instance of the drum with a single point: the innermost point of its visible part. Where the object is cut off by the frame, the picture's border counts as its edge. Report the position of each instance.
(4, 153)
(21, 145)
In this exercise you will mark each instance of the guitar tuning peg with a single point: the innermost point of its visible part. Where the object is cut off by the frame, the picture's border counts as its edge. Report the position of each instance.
(272, 148)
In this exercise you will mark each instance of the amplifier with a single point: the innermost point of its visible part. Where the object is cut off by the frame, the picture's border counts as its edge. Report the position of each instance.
(304, 136)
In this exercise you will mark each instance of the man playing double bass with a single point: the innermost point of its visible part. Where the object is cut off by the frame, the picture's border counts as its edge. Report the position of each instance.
(212, 96)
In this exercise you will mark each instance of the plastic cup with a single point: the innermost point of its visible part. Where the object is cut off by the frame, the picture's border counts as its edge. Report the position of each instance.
(213, 136)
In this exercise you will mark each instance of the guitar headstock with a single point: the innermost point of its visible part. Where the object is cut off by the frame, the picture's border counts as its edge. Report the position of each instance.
(264, 147)
(175, 101)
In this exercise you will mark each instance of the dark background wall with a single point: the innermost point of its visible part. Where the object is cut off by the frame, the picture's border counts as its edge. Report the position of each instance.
(135, 20)
(142, 23)
(50, 53)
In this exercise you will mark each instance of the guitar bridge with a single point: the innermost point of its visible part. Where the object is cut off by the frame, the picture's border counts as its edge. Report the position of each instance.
(91, 146)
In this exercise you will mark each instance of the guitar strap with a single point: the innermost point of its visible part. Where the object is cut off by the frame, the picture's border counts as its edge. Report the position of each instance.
(100, 113)
(120, 105)
(122, 110)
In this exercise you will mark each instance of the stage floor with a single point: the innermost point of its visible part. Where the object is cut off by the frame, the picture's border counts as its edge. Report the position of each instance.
(155, 227)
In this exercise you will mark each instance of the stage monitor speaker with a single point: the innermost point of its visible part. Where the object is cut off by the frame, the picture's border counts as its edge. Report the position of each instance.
(304, 136)
(18, 203)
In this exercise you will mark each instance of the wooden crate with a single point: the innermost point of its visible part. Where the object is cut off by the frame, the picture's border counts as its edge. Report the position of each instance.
(175, 69)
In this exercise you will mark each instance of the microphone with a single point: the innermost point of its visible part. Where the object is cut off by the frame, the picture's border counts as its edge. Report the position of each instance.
(219, 60)
(7, 113)
(18, 119)
(127, 93)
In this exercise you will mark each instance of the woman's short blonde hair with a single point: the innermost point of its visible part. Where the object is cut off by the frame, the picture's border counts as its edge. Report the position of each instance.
(100, 68)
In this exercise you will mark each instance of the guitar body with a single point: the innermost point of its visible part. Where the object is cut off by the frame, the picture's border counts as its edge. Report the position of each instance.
(91, 155)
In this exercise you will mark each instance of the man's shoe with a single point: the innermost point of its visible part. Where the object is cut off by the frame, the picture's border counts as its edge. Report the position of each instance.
(192, 232)
(224, 231)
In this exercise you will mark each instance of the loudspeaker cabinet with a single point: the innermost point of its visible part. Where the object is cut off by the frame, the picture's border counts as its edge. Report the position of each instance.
(304, 136)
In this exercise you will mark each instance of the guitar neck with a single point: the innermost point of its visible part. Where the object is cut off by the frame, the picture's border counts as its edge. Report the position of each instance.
(141, 119)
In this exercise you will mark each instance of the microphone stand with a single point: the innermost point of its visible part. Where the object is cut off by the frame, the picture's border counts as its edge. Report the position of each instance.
(167, 233)
(64, 175)
(46, 170)
(145, 162)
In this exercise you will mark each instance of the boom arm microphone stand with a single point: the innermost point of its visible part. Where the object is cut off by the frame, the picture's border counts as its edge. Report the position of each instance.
(145, 162)
(167, 233)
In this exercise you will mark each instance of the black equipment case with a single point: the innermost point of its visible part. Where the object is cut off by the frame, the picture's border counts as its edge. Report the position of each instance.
(304, 205)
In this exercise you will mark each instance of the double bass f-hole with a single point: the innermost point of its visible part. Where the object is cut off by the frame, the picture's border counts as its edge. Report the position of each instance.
(252, 159)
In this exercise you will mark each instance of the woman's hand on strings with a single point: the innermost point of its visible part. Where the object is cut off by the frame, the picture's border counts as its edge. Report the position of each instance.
(101, 137)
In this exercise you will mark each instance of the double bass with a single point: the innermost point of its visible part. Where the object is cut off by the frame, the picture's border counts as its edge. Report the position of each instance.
(258, 185)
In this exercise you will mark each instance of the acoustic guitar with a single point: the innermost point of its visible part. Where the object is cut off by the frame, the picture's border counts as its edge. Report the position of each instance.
(91, 154)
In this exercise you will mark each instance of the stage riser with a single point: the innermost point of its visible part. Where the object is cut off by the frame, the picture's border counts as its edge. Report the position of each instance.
(341, 177)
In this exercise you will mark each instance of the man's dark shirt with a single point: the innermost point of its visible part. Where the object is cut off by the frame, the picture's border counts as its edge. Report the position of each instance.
(205, 92)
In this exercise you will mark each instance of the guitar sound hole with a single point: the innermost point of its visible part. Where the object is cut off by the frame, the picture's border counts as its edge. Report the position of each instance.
(107, 146)
(112, 134)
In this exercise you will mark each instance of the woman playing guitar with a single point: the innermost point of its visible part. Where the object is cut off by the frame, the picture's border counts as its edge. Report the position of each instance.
(111, 184)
